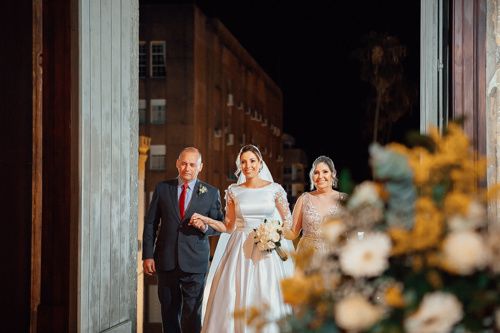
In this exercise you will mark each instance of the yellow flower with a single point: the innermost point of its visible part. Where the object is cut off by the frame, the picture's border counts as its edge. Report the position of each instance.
(398, 148)
(394, 296)
(401, 241)
(295, 289)
(299, 289)
(421, 162)
(455, 144)
(428, 226)
(466, 175)
(456, 203)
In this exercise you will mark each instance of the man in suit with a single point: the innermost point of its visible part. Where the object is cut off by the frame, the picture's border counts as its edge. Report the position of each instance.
(176, 250)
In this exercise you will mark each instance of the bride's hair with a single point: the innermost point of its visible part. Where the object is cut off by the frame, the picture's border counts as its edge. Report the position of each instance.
(264, 172)
(328, 161)
(245, 149)
(251, 148)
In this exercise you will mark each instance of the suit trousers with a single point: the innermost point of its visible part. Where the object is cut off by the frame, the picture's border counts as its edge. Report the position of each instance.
(181, 296)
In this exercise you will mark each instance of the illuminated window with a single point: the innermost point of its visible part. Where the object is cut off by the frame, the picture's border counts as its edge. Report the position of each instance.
(157, 59)
(157, 155)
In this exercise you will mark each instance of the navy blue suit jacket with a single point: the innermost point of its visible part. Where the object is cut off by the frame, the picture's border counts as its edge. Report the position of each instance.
(173, 242)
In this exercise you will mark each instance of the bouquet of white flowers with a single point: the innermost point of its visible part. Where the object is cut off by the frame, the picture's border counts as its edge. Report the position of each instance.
(268, 237)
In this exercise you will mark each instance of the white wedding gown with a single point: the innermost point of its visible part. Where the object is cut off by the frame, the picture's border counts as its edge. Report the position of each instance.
(242, 276)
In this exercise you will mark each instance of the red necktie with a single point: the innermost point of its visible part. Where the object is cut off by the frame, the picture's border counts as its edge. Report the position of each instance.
(182, 199)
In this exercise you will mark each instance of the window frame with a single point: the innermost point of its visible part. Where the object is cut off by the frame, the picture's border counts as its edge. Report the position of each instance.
(152, 64)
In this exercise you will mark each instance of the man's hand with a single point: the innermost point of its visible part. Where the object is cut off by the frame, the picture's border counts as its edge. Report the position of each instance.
(149, 266)
(198, 221)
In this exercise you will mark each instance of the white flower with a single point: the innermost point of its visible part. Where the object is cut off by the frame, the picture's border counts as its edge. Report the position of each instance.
(366, 256)
(355, 313)
(275, 237)
(261, 246)
(476, 217)
(267, 234)
(437, 313)
(332, 228)
(365, 194)
(465, 251)
(202, 189)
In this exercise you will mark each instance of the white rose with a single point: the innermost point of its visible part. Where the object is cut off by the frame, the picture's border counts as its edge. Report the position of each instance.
(437, 313)
(365, 256)
(355, 313)
(275, 237)
(364, 194)
(465, 251)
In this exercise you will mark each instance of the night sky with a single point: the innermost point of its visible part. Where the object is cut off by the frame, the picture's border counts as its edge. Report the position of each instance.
(307, 48)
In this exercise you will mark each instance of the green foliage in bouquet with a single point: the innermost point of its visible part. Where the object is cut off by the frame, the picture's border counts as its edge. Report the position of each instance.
(412, 251)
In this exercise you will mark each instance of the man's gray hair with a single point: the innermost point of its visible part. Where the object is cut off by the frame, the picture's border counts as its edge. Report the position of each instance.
(191, 150)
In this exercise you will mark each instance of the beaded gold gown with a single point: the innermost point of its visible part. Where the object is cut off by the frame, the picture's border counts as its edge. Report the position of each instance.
(308, 215)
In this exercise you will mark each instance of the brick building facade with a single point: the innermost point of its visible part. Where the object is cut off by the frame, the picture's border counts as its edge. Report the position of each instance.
(199, 87)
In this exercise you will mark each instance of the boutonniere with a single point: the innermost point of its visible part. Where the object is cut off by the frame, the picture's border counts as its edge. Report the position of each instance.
(202, 189)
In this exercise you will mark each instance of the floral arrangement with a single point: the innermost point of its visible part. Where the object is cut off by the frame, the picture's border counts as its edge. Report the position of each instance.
(202, 189)
(268, 236)
(412, 251)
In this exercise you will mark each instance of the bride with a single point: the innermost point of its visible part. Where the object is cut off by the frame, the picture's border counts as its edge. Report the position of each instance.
(241, 276)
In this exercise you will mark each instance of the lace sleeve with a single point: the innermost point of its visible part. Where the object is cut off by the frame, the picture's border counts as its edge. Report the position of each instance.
(229, 196)
(229, 217)
(283, 206)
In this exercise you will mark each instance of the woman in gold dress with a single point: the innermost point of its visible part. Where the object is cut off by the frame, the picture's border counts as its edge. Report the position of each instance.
(312, 207)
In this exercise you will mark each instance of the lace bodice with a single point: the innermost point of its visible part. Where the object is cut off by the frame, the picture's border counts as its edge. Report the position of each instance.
(253, 205)
(312, 216)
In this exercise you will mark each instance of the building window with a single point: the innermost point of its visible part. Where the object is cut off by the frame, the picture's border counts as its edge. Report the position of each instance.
(142, 111)
(158, 59)
(143, 59)
(157, 157)
(158, 110)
